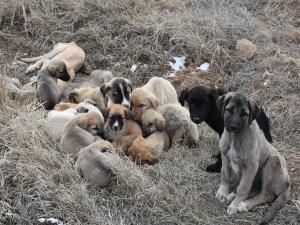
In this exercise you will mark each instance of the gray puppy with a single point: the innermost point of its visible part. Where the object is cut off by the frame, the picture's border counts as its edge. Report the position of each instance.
(246, 152)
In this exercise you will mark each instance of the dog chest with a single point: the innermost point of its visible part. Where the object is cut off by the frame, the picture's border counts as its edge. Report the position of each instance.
(233, 159)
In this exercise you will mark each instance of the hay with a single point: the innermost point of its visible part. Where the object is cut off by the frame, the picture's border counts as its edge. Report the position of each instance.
(38, 180)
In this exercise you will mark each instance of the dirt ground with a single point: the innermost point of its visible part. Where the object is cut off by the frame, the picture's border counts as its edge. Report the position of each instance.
(38, 180)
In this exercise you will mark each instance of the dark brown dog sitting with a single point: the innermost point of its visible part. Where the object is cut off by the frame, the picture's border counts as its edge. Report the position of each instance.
(203, 107)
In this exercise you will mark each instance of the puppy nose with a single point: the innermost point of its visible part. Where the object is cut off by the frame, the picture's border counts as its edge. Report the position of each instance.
(233, 128)
(196, 120)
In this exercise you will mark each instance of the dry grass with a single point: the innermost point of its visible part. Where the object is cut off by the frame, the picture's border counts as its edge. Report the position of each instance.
(37, 179)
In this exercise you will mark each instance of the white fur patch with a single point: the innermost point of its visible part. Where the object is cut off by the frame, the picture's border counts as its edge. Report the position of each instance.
(232, 209)
(233, 159)
(222, 192)
(243, 207)
(116, 124)
(230, 197)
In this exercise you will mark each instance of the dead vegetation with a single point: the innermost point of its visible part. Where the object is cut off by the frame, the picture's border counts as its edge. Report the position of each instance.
(38, 180)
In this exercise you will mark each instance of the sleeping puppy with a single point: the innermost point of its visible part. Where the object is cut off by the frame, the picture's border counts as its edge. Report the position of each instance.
(64, 105)
(157, 91)
(172, 118)
(80, 94)
(94, 163)
(118, 91)
(98, 78)
(67, 55)
(203, 107)
(81, 131)
(57, 120)
(119, 129)
(248, 154)
(148, 150)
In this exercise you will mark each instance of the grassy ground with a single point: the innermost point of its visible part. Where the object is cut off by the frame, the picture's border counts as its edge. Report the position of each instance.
(37, 179)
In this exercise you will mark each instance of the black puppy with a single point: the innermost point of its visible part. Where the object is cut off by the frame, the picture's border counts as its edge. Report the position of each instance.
(203, 107)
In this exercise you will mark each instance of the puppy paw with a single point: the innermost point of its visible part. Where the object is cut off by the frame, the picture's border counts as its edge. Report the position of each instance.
(230, 197)
(222, 193)
(30, 69)
(232, 209)
(243, 207)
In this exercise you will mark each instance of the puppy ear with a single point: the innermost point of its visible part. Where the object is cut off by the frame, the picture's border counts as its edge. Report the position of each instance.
(83, 122)
(213, 94)
(254, 111)
(128, 114)
(59, 71)
(154, 101)
(183, 96)
(104, 89)
(129, 84)
(160, 122)
(221, 105)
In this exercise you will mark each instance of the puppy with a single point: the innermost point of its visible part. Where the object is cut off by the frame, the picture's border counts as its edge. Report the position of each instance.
(81, 131)
(94, 162)
(157, 91)
(174, 119)
(119, 129)
(98, 78)
(67, 55)
(148, 150)
(48, 90)
(203, 107)
(57, 120)
(80, 94)
(64, 105)
(118, 91)
(247, 153)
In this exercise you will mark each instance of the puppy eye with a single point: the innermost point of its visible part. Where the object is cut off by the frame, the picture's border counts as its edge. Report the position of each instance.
(230, 110)
(150, 124)
(243, 114)
(141, 105)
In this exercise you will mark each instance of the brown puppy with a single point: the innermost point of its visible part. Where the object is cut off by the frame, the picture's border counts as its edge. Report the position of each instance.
(119, 129)
(64, 105)
(148, 150)
(80, 94)
(69, 54)
(157, 91)
(81, 131)
(94, 163)
(174, 119)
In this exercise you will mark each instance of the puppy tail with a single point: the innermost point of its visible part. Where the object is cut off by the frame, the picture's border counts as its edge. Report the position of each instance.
(34, 59)
(275, 207)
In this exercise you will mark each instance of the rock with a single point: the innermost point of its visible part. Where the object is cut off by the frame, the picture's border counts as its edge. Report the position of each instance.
(245, 48)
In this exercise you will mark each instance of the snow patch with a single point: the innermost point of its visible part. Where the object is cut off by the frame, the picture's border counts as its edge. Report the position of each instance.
(203, 67)
(178, 65)
(266, 83)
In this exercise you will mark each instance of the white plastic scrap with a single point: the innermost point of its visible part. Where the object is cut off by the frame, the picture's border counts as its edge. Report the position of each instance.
(266, 83)
(51, 220)
(133, 68)
(203, 67)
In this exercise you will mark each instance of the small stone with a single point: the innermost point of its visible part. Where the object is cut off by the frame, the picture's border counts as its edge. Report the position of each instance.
(245, 48)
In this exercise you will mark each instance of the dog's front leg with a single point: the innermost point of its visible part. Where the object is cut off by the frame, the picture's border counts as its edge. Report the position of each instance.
(224, 188)
(248, 175)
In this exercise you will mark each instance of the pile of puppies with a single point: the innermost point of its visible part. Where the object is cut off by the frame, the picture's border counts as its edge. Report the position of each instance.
(95, 117)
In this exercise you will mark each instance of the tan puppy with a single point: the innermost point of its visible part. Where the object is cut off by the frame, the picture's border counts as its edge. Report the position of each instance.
(157, 91)
(246, 153)
(174, 119)
(64, 105)
(69, 54)
(119, 129)
(80, 94)
(148, 150)
(94, 162)
(81, 131)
